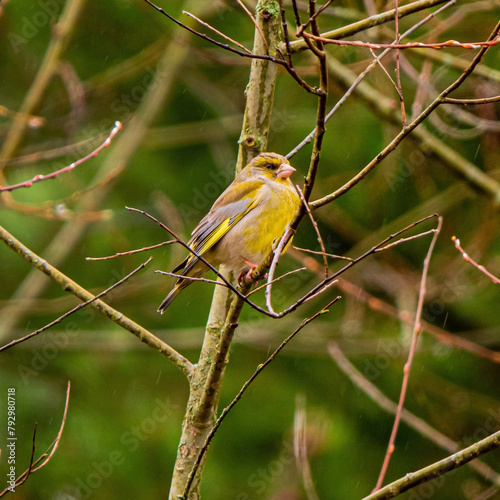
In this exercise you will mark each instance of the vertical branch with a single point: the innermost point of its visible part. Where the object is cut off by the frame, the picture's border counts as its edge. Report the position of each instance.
(260, 88)
(317, 49)
(406, 376)
(208, 376)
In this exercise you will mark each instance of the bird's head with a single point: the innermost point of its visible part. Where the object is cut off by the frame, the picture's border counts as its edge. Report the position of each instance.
(270, 165)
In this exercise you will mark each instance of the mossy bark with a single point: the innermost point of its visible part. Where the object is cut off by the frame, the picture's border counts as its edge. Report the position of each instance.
(205, 386)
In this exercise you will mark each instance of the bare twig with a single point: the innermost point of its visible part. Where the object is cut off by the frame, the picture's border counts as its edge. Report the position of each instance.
(130, 252)
(67, 284)
(209, 26)
(467, 102)
(360, 77)
(45, 457)
(53, 175)
(402, 46)
(406, 376)
(316, 229)
(416, 423)
(75, 309)
(467, 258)
(437, 469)
(406, 131)
(245, 386)
(300, 447)
(256, 24)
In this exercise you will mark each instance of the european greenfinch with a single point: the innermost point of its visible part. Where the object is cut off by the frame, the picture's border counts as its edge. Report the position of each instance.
(240, 228)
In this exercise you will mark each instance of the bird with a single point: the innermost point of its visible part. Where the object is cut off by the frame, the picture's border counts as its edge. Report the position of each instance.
(243, 223)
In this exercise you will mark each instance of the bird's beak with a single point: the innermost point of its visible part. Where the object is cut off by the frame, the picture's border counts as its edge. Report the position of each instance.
(285, 170)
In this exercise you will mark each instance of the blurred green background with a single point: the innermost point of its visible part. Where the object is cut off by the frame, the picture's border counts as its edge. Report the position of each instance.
(175, 155)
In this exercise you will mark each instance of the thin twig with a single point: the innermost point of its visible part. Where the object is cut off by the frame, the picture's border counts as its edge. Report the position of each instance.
(407, 368)
(45, 457)
(302, 27)
(130, 252)
(75, 309)
(245, 386)
(467, 102)
(399, 88)
(331, 255)
(370, 22)
(416, 423)
(56, 442)
(67, 284)
(467, 258)
(192, 278)
(406, 131)
(270, 278)
(256, 24)
(437, 469)
(316, 229)
(53, 175)
(404, 240)
(215, 30)
(396, 84)
(300, 447)
(402, 46)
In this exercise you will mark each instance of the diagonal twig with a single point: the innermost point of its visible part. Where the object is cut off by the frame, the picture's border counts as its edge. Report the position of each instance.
(75, 309)
(407, 368)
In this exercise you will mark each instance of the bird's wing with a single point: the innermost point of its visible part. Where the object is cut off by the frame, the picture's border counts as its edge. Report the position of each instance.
(229, 209)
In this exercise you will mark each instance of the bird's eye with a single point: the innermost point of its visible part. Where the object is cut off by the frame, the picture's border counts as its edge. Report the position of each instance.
(269, 166)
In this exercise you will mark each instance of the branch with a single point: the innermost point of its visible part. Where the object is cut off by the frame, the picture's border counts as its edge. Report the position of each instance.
(437, 469)
(406, 373)
(466, 257)
(53, 175)
(370, 22)
(75, 309)
(130, 252)
(402, 46)
(478, 177)
(416, 423)
(467, 102)
(117, 317)
(245, 386)
(45, 458)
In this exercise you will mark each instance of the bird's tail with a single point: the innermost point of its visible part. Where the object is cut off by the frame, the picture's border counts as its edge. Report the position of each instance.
(173, 293)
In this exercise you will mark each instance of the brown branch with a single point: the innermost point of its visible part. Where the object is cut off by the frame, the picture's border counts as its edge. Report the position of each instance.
(45, 457)
(53, 175)
(245, 386)
(68, 285)
(407, 368)
(416, 423)
(130, 252)
(437, 469)
(75, 309)
(467, 258)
